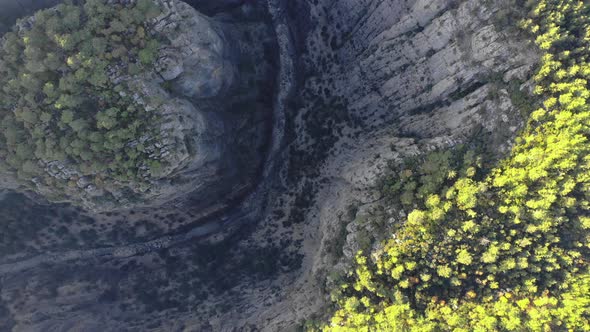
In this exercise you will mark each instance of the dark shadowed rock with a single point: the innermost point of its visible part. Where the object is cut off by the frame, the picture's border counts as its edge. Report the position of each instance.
(194, 86)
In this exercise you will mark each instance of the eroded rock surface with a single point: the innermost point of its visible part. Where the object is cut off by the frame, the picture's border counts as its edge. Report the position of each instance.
(383, 80)
(378, 81)
(194, 87)
(200, 60)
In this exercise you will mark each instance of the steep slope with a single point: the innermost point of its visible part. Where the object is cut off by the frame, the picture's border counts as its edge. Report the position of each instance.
(490, 247)
(385, 80)
(166, 132)
(377, 81)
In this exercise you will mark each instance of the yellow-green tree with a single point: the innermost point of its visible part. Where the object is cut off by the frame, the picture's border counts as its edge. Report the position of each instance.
(504, 249)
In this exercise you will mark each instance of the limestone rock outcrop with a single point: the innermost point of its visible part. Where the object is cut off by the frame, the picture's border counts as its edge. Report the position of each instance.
(199, 60)
(412, 76)
(378, 80)
(190, 87)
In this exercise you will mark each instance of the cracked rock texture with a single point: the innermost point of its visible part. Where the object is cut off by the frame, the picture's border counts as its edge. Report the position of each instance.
(199, 67)
(412, 76)
(379, 80)
(199, 60)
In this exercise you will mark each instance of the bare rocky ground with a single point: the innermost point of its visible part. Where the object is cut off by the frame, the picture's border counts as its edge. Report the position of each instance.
(375, 81)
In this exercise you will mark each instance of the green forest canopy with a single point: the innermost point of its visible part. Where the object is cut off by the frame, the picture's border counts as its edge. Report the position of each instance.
(57, 102)
(505, 249)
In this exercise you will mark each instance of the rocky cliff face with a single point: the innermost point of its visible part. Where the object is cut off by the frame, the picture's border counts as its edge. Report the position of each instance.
(383, 80)
(194, 88)
(378, 80)
(199, 66)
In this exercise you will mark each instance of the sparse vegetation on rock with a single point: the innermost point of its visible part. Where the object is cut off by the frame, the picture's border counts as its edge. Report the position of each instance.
(359, 88)
(501, 249)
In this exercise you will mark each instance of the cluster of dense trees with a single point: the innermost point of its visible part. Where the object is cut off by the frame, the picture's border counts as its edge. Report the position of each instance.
(418, 177)
(57, 102)
(498, 249)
